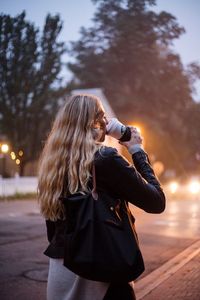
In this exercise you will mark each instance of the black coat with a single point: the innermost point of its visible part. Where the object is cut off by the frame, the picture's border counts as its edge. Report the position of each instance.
(136, 184)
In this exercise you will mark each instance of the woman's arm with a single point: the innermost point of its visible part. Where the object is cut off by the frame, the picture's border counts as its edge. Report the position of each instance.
(137, 185)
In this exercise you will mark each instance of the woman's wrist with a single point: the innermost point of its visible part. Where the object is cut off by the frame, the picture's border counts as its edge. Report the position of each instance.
(135, 148)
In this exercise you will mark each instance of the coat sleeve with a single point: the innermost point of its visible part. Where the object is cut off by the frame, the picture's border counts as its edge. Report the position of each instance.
(135, 183)
(50, 226)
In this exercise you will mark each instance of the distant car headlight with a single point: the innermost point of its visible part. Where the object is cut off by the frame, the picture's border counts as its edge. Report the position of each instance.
(173, 187)
(194, 187)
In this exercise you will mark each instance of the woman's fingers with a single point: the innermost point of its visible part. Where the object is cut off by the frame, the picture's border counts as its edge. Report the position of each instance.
(133, 129)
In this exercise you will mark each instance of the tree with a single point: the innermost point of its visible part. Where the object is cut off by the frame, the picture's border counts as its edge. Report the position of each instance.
(29, 69)
(127, 53)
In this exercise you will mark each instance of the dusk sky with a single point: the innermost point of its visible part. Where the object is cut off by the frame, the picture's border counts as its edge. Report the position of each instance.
(78, 13)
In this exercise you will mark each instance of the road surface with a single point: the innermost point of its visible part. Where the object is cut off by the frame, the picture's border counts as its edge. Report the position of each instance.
(24, 268)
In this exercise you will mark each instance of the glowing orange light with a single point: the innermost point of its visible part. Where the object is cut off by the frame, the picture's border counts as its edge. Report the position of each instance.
(21, 153)
(194, 187)
(13, 156)
(4, 148)
(17, 161)
(173, 187)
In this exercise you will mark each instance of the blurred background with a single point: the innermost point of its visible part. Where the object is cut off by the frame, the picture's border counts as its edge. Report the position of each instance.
(141, 56)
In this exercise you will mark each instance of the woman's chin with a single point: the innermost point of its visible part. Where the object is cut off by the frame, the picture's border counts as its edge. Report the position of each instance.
(101, 139)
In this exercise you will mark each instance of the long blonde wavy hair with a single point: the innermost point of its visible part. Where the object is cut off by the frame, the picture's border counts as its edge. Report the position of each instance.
(68, 153)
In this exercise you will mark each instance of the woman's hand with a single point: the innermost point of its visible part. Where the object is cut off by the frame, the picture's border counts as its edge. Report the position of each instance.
(136, 141)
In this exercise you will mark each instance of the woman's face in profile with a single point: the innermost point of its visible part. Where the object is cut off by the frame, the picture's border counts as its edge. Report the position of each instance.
(101, 125)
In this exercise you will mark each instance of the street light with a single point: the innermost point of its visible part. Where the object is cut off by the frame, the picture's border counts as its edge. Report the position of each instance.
(4, 151)
(21, 153)
(173, 187)
(194, 187)
(13, 155)
(138, 127)
(4, 148)
(17, 161)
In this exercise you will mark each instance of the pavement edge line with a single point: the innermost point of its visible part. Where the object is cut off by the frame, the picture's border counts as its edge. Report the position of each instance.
(155, 278)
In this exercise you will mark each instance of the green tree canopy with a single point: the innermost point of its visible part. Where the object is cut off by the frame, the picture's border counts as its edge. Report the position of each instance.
(29, 76)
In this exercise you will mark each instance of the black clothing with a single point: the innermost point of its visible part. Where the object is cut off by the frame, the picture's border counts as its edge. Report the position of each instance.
(135, 184)
(120, 291)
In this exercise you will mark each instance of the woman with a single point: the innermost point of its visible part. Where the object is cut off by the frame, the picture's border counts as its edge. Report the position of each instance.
(75, 142)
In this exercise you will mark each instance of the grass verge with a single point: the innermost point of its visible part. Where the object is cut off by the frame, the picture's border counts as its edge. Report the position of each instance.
(19, 196)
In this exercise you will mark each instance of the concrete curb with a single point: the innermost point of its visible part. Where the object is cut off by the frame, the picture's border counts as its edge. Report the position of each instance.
(154, 279)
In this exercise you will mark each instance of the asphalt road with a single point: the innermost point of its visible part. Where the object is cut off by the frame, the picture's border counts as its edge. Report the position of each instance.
(24, 268)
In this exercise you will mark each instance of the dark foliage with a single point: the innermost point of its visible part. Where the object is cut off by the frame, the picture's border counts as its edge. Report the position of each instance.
(29, 69)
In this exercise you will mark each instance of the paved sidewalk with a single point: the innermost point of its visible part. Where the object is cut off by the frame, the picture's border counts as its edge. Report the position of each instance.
(184, 284)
